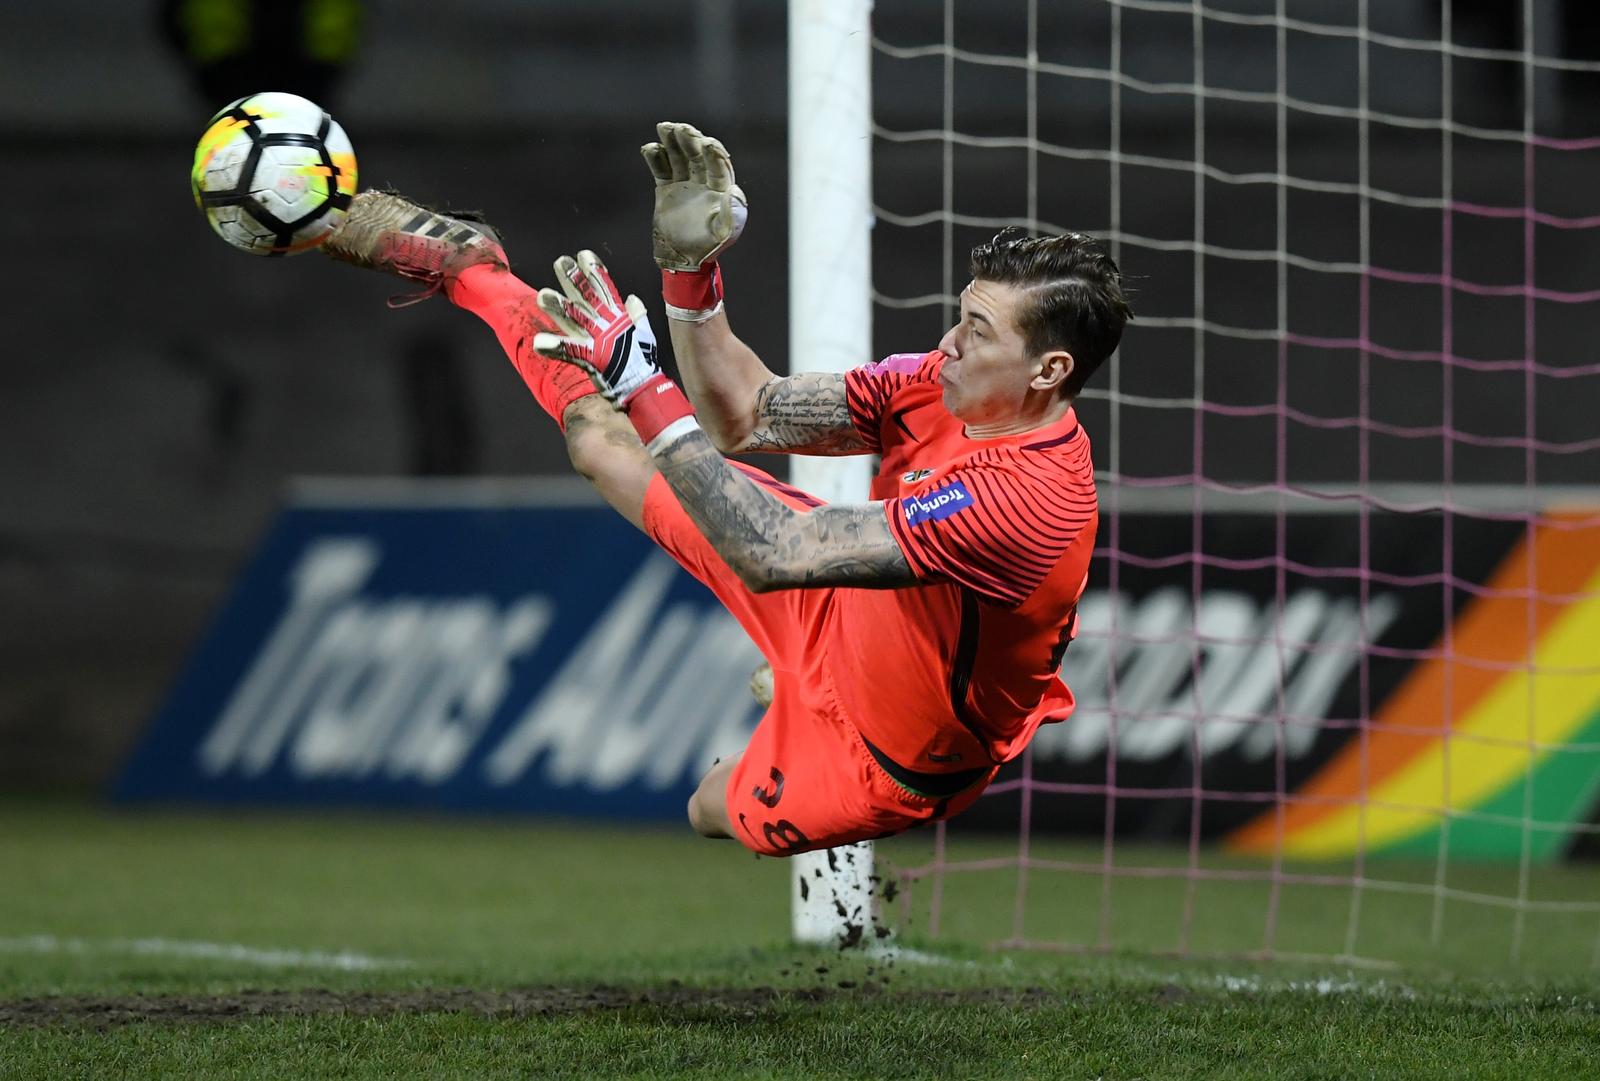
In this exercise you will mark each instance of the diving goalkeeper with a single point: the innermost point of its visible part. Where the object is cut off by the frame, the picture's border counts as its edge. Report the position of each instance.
(914, 640)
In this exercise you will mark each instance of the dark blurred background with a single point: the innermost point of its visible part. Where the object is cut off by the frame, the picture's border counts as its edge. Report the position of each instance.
(159, 389)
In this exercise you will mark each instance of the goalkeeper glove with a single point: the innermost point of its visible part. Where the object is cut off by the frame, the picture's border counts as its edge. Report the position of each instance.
(610, 339)
(699, 213)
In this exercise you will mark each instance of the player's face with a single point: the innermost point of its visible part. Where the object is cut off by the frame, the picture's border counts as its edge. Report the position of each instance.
(987, 368)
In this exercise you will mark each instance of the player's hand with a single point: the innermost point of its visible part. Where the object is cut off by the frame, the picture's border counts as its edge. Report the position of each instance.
(596, 329)
(699, 210)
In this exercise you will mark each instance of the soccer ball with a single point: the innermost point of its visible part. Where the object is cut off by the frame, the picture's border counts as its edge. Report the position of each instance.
(274, 174)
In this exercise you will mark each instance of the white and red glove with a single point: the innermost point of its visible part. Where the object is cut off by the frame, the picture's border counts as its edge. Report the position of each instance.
(699, 213)
(610, 339)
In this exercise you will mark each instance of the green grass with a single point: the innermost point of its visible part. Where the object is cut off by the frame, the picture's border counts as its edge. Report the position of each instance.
(1395, 917)
(498, 905)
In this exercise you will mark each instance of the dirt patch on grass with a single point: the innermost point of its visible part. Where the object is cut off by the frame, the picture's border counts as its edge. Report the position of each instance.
(113, 1011)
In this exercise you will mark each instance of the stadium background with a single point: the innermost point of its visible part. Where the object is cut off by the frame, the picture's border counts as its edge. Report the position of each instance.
(159, 391)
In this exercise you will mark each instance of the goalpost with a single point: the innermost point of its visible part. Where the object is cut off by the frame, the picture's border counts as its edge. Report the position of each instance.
(1339, 631)
(830, 329)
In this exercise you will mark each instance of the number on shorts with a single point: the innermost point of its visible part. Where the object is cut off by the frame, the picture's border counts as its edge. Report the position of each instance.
(784, 835)
(770, 798)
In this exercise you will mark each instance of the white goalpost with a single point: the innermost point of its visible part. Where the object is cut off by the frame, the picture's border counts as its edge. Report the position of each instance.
(830, 329)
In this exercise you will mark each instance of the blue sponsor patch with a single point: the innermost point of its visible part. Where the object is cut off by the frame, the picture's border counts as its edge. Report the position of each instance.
(939, 503)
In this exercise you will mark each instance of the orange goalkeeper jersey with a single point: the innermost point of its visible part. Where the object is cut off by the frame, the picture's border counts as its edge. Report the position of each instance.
(959, 672)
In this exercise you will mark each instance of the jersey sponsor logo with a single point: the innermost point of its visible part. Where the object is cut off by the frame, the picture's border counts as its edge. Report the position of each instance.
(915, 475)
(939, 503)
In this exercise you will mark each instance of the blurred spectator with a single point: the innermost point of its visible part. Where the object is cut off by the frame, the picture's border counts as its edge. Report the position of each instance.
(233, 48)
(239, 47)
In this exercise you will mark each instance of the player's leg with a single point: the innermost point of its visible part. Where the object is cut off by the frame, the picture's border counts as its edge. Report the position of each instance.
(510, 307)
(465, 260)
(808, 781)
(800, 783)
(606, 452)
(708, 807)
(602, 445)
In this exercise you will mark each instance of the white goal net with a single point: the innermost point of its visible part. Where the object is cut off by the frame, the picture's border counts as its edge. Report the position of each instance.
(1338, 677)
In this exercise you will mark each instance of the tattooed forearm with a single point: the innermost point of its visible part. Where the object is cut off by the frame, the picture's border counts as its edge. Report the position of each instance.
(738, 523)
(845, 545)
(769, 544)
(806, 413)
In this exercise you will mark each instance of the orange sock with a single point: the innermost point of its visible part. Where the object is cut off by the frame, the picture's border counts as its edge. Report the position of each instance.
(507, 304)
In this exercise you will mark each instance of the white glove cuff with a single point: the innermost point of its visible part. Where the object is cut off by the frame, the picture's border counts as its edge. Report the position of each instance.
(692, 315)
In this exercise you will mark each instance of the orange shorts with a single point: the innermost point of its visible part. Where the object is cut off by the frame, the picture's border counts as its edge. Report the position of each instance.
(807, 779)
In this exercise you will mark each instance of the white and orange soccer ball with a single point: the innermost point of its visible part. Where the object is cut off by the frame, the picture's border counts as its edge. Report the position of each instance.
(274, 174)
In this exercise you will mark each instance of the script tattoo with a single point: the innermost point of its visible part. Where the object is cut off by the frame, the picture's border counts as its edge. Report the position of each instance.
(770, 544)
(804, 413)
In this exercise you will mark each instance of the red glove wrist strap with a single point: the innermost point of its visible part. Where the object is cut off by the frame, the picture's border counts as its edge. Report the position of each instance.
(693, 290)
(657, 403)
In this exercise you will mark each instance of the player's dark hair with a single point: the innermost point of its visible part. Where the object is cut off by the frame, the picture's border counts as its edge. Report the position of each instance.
(1073, 300)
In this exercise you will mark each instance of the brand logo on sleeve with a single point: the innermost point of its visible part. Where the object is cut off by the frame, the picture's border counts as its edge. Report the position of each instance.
(916, 475)
(939, 503)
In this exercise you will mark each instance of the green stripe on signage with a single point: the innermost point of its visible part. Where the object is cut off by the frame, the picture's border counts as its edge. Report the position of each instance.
(1566, 784)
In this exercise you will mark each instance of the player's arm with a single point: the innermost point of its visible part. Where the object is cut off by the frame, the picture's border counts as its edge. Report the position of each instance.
(768, 543)
(742, 405)
(780, 414)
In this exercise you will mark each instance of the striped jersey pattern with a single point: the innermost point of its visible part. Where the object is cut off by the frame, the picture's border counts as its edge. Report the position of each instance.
(993, 515)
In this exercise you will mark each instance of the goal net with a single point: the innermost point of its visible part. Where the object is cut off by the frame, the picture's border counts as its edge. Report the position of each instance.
(1338, 670)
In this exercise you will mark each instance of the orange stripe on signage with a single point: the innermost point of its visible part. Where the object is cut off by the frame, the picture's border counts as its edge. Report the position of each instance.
(1491, 633)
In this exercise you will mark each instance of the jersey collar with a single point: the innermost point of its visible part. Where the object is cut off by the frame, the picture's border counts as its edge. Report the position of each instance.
(1054, 434)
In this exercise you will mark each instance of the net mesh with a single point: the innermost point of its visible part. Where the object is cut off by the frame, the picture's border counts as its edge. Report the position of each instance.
(1338, 681)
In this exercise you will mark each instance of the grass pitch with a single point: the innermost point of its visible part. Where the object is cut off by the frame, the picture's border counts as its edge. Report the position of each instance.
(168, 945)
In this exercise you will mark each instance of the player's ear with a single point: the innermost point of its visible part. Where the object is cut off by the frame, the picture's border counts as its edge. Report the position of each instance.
(1054, 368)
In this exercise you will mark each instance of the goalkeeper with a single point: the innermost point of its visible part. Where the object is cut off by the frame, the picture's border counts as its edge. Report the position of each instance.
(914, 640)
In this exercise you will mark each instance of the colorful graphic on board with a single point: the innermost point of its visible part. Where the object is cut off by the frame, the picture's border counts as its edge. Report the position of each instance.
(1489, 747)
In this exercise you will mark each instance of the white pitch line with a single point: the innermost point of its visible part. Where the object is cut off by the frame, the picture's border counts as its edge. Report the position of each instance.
(344, 960)
(1326, 985)
(908, 955)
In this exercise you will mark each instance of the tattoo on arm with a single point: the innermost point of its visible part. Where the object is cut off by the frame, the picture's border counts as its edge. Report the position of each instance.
(804, 413)
(769, 544)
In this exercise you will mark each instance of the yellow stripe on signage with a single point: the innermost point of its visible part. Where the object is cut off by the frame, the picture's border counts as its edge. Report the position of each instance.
(1486, 750)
